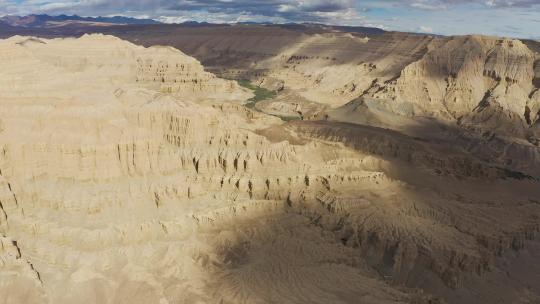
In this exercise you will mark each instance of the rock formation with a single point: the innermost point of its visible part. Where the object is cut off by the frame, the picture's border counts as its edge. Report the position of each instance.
(131, 175)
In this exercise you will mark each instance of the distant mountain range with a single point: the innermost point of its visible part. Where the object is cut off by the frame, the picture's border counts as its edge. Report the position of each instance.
(43, 21)
(52, 21)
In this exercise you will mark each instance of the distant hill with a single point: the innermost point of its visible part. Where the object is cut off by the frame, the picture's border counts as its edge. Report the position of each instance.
(23, 24)
(332, 28)
(43, 20)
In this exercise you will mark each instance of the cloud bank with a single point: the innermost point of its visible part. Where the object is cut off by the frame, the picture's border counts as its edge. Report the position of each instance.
(519, 18)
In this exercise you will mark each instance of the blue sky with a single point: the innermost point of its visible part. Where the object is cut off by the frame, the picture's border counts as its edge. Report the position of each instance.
(513, 18)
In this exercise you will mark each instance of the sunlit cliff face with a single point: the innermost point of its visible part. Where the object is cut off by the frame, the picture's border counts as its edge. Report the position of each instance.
(131, 175)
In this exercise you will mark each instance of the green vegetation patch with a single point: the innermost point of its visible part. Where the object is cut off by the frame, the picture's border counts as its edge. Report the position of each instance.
(260, 93)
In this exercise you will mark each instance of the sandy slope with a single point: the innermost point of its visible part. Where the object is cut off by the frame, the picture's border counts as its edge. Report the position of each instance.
(130, 175)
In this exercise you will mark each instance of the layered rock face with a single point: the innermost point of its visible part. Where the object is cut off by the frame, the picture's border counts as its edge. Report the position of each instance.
(479, 82)
(335, 68)
(130, 175)
(484, 89)
(484, 82)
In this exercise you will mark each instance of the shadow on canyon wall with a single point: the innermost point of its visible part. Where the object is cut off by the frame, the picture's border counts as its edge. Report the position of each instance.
(437, 212)
(324, 248)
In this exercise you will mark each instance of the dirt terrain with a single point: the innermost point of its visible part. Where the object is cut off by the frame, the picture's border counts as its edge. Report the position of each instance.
(384, 167)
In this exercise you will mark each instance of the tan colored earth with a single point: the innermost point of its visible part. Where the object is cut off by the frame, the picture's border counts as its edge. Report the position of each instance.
(132, 175)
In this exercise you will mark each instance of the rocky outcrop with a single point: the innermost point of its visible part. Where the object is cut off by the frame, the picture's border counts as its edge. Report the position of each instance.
(467, 75)
(336, 68)
(121, 191)
(481, 83)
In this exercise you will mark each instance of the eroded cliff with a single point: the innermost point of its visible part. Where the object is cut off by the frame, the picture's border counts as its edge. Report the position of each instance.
(130, 175)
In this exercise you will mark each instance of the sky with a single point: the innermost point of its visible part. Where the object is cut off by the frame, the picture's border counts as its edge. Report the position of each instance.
(511, 18)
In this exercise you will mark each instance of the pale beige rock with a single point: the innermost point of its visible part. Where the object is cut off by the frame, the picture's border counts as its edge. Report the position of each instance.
(118, 188)
(478, 82)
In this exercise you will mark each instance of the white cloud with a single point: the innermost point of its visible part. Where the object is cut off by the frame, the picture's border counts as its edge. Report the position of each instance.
(514, 17)
(425, 29)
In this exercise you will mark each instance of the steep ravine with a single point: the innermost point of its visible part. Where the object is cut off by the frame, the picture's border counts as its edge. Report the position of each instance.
(135, 190)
